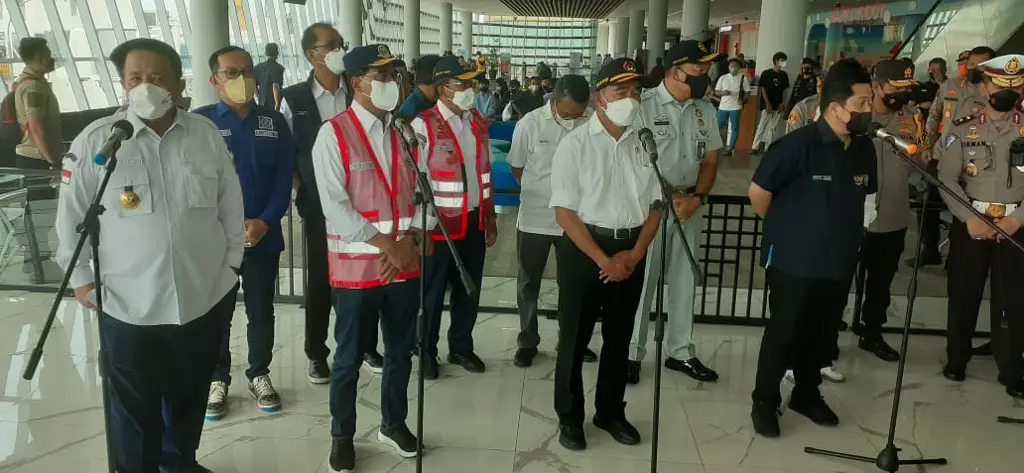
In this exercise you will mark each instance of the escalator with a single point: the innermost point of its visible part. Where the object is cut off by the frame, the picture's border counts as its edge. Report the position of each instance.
(990, 23)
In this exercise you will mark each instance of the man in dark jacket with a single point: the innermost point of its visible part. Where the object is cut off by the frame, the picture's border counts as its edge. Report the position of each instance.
(425, 94)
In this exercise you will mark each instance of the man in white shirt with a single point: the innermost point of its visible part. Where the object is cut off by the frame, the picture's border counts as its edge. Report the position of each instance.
(171, 243)
(367, 184)
(603, 190)
(732, 89)
(533, 147)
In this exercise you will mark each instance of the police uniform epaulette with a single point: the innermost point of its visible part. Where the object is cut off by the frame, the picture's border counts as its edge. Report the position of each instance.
(964, 119)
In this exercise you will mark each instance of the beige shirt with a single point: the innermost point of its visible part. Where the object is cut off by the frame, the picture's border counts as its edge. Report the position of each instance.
(34, 98)
(893, 198)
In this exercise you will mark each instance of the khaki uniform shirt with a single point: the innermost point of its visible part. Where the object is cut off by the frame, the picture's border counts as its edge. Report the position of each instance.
(804, 112)
(953, 93)
(35, 99)
(893, 198)
(681, 131)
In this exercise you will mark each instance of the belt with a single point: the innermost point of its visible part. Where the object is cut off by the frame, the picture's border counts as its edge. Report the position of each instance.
(994, 210)
(615, 233)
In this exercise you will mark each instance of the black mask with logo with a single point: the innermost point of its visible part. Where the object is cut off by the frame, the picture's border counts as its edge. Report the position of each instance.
(1004, 100)
(975, 76)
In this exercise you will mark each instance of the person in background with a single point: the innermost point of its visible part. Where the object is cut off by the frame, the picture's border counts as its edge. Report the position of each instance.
(455, 151)
(927, 96)
(732, 89)
(424, 96)
(534, 141)
(403, 78)
(306, 105)
(269, 80)
(607, 59)
(173, 239)
(811, 243)
(658, 71)
(772, 86)
(525, 101)
(806, 83)
(38, 112)
(504, 96)
(261, 146)
(486, 101)
(961, 64)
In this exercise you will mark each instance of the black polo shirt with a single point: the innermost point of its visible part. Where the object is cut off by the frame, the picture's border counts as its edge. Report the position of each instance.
(814, 225)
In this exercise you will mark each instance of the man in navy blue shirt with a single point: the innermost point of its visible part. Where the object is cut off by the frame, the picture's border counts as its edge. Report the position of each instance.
(811, 188)
(261, 143)
(425, 95)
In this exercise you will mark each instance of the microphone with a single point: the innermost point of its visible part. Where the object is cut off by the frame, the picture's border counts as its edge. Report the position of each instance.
(405, 130)
(879, 131)
(647, 139)
(121, 130)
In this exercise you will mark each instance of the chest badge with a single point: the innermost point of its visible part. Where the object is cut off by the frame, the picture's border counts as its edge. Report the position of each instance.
(661, 120)
(860, 180)
(699, 113)
(663, 132)
(948, 112)
(225, 133)
(971, 169)
(973, 133)
(129, 199)
(1022, 131)
(265, 128)
(982, 118)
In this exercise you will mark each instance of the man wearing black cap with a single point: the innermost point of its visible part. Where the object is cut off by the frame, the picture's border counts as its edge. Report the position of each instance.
(806, 83)
(686, 132)
(366, 185)
(455, 150)
(425, 94)
(604, 192)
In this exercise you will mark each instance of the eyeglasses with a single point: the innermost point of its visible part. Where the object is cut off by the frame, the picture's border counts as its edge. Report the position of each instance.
(329, 46)
(236, 73)
(383, 76)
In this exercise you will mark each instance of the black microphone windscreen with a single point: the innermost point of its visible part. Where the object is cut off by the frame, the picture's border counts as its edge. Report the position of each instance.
(125, 126)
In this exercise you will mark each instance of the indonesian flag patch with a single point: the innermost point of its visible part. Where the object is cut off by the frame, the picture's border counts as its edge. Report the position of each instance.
(65, 177)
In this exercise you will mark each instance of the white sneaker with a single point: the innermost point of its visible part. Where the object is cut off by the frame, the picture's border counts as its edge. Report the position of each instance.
(832, 374)
(217, 402)
(790, 378)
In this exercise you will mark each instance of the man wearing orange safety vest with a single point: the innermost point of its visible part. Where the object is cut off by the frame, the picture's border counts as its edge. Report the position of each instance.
(454, 150)
(367, 185)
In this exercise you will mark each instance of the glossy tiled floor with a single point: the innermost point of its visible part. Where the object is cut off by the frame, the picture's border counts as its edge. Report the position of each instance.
(502, 421)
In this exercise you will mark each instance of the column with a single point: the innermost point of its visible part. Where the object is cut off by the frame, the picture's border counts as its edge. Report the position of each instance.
(446, 26)
(696, 14)
(411, 30)
(350, 22)
(783, 28)
(602, 37)
(657, 23)
(621, 37)
(636, 31)
(467, 33)
(833, 43)
(209, 33)
(909, 23)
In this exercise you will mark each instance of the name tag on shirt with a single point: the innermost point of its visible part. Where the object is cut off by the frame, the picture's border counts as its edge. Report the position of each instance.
(225, 133)
(367, 166)
(130, 160)
(444, 149)
(822, 178)
(266, 133)
(301, 113)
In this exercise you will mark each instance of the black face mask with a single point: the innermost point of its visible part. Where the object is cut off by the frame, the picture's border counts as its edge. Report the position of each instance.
(975, 76)
(896, 101)
(805, 72)
(1004, 100)
(698, 84)
(859, 124)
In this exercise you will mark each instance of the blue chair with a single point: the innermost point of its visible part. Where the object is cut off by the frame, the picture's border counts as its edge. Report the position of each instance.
(504, 181)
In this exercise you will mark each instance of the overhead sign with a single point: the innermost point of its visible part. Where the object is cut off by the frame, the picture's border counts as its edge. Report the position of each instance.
(862, 13)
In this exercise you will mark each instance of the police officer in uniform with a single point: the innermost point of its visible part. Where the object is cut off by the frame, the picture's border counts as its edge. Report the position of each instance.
(366, 189)
(957, 98)
(804, 112)
(985, 152)
(603, 190)
(686, 132)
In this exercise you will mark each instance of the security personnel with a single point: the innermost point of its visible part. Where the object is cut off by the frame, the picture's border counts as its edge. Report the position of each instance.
(686, 132)
(603, 190)
(806, 83)
(306, 105)
(804, 112)
(264, 156)
(810, 188)
(455, 150)
(985, 153)
(171, 243)
(884, 240)
(367, 188)
(424, 96)
(958, 98)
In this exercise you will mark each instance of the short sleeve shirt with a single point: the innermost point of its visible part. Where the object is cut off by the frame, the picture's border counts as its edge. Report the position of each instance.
(684, 132)
(35, 99)
(267, 74)
(775, 84)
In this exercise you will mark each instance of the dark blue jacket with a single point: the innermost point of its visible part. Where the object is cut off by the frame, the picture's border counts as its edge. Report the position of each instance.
(264, 155)
(416, 104)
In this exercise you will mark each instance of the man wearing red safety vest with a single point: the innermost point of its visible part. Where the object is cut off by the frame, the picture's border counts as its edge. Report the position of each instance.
(367, 186)
(454, 149)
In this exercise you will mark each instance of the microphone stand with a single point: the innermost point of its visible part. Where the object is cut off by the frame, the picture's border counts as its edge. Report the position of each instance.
(888, 459)
(424, 198)
(659, 298)
(89, 229)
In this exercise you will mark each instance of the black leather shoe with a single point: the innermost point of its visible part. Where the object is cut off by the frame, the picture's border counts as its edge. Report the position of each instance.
(373, 361)
(633, 373)
(1016, 389)
(589, 356)
(343, 456)
(985, 349)
(692, 368)
(766, 420)
(571, 437)
(430, 369)
(620, 429)
(469, 361)
(928, 258)
(877, 346)
(814, 408)
(954, 374)
(524, 357)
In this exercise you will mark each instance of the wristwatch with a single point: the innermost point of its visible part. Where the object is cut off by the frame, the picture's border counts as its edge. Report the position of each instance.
(703, 198)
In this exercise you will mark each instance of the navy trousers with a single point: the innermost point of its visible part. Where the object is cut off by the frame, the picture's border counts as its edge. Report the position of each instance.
(259, 284)
(159, 379)
(397, 304)
(441, 273)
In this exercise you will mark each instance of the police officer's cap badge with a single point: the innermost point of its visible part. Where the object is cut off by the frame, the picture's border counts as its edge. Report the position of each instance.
(628, 66)
(383, 51)
(1012, 66)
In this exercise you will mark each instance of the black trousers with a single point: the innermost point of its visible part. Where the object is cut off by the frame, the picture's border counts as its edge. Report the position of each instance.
(930, 232)
(802, 331)
(441, 274)
(532, 250)
(317, 302)
(970, 263)
(259, 283)
(582, 298)
(880, 259)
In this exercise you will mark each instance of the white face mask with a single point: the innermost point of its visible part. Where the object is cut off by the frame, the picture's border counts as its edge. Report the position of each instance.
(622, 112)
(335, 61)
(567, 123)
(782, 64)
(149, 102)
(733, 70)
(384, 95)
(464, 99)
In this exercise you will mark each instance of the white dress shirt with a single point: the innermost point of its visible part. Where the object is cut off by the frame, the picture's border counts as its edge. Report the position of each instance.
(533, 145)
(462, 128)
(608, 183)
(169, 260)
(329, 170)
(327, 104)
(734, 84)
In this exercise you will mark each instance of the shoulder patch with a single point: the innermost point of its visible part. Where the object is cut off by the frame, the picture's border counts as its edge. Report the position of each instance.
(794, 118)
(950, 139)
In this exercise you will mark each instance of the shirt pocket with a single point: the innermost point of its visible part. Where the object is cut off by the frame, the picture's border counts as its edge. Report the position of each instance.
(132, 193)
(201, 184)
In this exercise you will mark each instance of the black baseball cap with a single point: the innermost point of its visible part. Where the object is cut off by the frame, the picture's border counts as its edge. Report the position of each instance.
(448, 67)
(365, 57)
(423, 69)
(689, 51)
(895, 71)
(618, 71)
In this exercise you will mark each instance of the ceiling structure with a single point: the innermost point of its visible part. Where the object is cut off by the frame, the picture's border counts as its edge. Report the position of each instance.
(563, 8)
